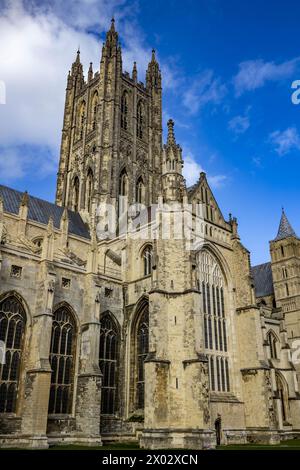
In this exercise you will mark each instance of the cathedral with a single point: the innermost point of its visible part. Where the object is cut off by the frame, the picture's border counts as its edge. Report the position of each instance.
(116, 326)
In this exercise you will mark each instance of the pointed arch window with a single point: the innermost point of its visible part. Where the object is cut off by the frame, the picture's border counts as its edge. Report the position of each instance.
(140, 120)
(140, 191)
(142, 351)
(212, 282)
(12, 329)
(76, 185)
(282, 390)
(147, 260)
(94, 110)
(62, 360)
(272, 341)
(123, 191)
(124, 110)
(89, 189)
(81, 119)
(108, 363)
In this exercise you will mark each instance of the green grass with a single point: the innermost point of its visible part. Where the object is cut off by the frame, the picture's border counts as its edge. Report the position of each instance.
(293, 444)
(117, 446)
(284, 445)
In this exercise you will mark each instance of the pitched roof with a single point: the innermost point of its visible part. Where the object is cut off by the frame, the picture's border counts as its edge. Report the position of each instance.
(285, 229)
(40, 211)
(263, 279)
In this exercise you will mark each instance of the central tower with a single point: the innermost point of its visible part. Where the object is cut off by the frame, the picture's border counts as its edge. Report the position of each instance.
(112, 134)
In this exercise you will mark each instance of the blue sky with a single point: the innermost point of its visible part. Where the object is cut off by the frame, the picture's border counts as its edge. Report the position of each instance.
(227, 70)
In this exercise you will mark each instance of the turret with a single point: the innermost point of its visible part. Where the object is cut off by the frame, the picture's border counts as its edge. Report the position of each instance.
(285, 249)
(153, 74)
(173, 183)
(77, 72)
(111, 46)
(134, 72)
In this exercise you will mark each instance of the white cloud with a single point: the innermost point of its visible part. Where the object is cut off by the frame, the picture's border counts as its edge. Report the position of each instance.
(206, 88)
(192, 170)
(39, 42)
(254, 74)
(217, 181)
(239, 124)
(257, 162)
(285, 141)
(17, 161)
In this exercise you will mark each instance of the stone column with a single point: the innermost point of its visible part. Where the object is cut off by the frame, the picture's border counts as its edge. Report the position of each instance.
(88, 396)
(38, 373)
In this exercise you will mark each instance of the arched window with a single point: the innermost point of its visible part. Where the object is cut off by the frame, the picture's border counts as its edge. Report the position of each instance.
(212, 284)
(140, 120)
(94, 110)
(287, 291)
(62, 360)
(282, 390)
(124, 110)
(108, 362)
(140, 191)
(12, 328)
(81, 119)
(89, 189)
(142, 351)
(147, 260)
(123, 191)
(76, 194)
(272, 341)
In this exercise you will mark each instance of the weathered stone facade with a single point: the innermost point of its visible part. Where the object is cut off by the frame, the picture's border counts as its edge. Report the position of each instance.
(137, 335)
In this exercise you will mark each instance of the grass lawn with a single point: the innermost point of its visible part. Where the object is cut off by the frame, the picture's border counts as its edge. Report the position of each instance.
(285, 445)
(293, 444)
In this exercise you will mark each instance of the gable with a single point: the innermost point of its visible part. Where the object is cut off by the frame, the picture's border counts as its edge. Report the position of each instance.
(201, 193)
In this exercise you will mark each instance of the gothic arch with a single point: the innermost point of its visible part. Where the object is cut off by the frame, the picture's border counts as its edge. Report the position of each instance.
(140, 190)
(283, 396)
(214, 299)
(63, 349)
(140, 119)
(109, 362)
(136, 375)
(124, 110)
(146, 255)
(75, 193)
(13, 329)
(89, 187)
(81, 118)
(273, 342)
(95, 101)
(123, 190)
(67, 305)
(20, 298)
(219, 258)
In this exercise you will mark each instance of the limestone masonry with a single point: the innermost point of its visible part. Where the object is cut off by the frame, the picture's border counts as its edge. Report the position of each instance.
(173, 341)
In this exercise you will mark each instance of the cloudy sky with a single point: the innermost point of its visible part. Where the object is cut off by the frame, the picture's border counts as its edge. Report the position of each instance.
(228, 68)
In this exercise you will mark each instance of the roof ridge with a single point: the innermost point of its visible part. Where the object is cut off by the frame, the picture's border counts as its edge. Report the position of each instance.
(40, 210)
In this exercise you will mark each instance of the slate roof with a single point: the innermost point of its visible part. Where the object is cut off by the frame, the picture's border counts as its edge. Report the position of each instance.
(285, 229)
(191, 188)
(40, 211)
(263, 279)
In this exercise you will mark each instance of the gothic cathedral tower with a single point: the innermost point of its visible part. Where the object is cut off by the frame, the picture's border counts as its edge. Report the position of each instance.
(285, 255)
(112, 134)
